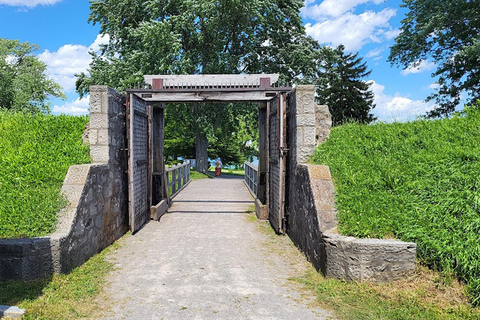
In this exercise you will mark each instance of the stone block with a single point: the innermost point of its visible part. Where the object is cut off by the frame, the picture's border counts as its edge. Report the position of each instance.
(319, 172)
(261, 210)
(11, 312)
(299, 138)
(77, 174)
(93, 137)
(95, 101)
(306, 119)
(99, 121)
(157, 211)
(102, 137)
(99, 154)
(309, 136)
(375, 260)
(304, 153)
(305, 99)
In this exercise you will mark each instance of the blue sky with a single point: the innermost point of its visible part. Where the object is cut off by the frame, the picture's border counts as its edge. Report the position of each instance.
(60, 29)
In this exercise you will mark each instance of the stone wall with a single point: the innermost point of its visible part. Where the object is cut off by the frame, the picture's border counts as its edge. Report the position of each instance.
(310, 206)
(98, 199)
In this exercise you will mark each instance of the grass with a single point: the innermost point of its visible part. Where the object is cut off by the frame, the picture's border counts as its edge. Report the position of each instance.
(73, 296)
(422, 296)
(194, 175)
(235, 172)
(35, 154)
(417, 181)
(425, 294)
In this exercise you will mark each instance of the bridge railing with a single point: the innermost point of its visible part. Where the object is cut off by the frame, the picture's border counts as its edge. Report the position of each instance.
(177, 178)
(251, 177)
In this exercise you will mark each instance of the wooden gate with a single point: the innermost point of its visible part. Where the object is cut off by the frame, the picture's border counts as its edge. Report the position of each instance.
(139, 120)
(277, 163)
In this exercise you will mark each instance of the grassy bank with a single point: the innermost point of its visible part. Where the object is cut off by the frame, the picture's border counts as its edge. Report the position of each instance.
(73, 296)
(417, 181)
(424, 294)
(35, 153)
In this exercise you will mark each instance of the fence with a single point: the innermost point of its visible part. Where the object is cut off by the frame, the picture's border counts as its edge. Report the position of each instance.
(251, 177)
(177, 178)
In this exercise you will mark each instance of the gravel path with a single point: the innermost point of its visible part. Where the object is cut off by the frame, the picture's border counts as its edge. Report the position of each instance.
(206, 259)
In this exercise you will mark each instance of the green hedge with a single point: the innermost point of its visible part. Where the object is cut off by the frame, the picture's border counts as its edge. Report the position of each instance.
(417, 181)
(35, 153)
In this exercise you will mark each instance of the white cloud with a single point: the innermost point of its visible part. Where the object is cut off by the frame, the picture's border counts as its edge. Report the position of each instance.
(375, 52)
(28, 3)
(347, 28)
(419, 67)
(68, 60)
(397, 107)
(77, 107)
(332, 8)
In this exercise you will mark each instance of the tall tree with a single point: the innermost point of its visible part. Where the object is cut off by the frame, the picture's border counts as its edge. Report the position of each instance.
(448, 33)
(342, 87)
(24, 84)
(195, 37)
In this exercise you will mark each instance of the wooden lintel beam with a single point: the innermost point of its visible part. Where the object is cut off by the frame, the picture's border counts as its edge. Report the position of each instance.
(206, 96)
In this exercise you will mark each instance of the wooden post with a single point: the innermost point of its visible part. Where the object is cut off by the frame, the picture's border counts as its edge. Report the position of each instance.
(263, 153)
(158, 162)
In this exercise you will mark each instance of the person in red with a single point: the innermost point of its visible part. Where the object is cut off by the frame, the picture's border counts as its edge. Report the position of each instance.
(218, 167)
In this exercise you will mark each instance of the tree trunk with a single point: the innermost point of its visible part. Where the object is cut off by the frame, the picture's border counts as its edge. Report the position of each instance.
(201, 154)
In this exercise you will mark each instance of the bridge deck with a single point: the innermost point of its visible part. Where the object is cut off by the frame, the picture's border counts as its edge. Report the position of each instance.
(206, 259)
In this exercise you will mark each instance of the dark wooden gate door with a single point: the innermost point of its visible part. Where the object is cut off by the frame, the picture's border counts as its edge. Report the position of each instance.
(138, 162)
(277, 163)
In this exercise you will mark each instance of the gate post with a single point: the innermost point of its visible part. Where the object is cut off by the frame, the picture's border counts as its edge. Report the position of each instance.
(263, 154)
(158, 132)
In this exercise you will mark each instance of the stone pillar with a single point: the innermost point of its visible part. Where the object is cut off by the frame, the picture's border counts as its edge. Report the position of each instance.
(305, 123)
(107, 120)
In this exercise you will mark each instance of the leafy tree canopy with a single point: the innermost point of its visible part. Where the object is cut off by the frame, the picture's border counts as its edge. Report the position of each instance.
(340, 85)
(193, 37)
(24, 84)
(198, 37)
(447, 32)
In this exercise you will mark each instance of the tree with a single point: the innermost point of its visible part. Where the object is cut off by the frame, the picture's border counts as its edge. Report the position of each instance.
(233, 127)
(198, 37)
(24, 84)
(448, 33)
(340, 86)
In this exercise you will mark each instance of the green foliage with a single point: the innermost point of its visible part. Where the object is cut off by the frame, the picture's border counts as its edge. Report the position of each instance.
(446, 32)
(35, 153)
(194, 175)
(193, 37)
(341, 88)
(24, 85)
(417, 181)
(199, 37)
(228, 127)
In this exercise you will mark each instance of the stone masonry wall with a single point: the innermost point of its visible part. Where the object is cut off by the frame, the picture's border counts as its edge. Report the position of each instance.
(98, 197)
(310, 206)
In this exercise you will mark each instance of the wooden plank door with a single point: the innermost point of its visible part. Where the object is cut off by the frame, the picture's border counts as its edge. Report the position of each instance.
(277, 163)
(138, 162)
